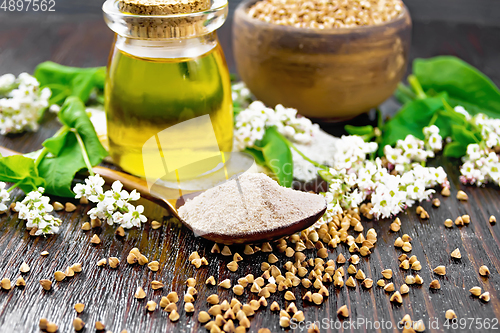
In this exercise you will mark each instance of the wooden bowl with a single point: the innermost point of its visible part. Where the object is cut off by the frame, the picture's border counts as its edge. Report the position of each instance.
(328, 74)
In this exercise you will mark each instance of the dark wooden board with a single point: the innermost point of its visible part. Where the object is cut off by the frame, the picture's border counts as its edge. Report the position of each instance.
(108, 293)
(84, 40)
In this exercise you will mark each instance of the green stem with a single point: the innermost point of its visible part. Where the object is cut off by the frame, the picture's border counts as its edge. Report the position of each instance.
(407, 92)
(84, 151)
(412, 79)
(434, 119)
(447, 106)
(40, 157)
(13, 187)
(380, 119)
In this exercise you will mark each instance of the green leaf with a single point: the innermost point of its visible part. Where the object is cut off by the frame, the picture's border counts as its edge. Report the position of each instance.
(454, 149)
(464, 84)
(257, 155)
(67, 81)
(463, 135)
(73, 115)
(66, 159)
(59, 171)
(20, 170)
(278, 156)
(56, 143)
(411, 119)
(446, 119)
(472, 108)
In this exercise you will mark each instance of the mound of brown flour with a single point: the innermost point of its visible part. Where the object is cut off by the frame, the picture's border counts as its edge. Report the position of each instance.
(252, 202)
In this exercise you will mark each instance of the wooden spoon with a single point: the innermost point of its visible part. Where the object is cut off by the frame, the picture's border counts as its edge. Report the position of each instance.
(140, 185)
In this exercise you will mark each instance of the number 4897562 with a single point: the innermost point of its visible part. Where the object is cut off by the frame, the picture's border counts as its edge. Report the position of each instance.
(28, 5)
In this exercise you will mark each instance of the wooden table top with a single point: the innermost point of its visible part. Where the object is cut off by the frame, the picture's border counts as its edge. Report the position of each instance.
(109, 293)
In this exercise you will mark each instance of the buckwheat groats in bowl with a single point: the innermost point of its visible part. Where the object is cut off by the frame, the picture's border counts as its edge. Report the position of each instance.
(329, 59)
(326, 14)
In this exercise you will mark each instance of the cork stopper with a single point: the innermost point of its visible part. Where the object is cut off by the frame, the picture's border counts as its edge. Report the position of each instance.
(163, 7)
(157, 27)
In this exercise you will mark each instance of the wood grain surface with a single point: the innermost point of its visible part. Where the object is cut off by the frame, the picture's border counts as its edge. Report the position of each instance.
(84, 40)
(108, 293)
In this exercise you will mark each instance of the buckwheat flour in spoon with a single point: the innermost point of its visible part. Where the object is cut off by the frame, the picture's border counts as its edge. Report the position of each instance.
(249, 203)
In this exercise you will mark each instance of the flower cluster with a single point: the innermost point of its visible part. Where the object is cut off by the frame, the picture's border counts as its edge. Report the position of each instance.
(113, 205)
(21, 103)
(481, 162)
(35, 209)
(388, 193)
(433, 140)
(4, 197)
(241, 94)
(480, 166)
(351, 151)
(411, 150)
(388, 188)
(490, 129)
(251, 125)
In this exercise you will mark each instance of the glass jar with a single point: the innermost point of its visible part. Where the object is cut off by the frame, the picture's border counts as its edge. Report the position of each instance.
(164, 70)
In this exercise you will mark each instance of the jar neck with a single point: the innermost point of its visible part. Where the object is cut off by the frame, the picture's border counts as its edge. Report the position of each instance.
(173, 48)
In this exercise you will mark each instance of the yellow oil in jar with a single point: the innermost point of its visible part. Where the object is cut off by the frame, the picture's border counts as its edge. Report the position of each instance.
(145, 96)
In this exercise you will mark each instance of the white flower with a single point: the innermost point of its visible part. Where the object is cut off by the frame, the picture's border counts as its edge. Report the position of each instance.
(474, 152)
(435, 142)
(480, 166)
(134, 196)
(80, 190)
(118, 217)
(95, 181)
(352, 150)
(92, 189)
(22, 103)
(395, 155)
(251, 125)
(388, 193)
(113, 206)
(6, 81)
(462, 111)
(4, 195)
(386, 201)
(54, 108)
(241, 94)
(35, 209)
(134, 216)
(490, 129)
(430, 130)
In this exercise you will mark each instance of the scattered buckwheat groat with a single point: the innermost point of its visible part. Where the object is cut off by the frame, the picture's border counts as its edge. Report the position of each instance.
(484, 270)
(462, 196)
(450, 314)
(78, 324)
